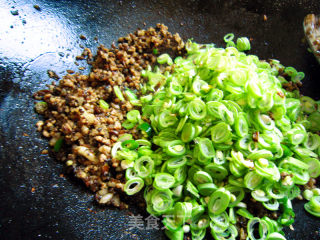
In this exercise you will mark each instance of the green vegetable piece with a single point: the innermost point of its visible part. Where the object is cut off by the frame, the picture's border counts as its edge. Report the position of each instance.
(206, 189)
(103, 104)
(197, 109)
(163, 181)
(175, 148)
(188, 132)
(164, 58)
(219, 201)
(221, 133)
(243, 44)
(146, 128)
(201, 177)
(192, 189)
(118, 93)
(57, 146)
(133, 185)
(130, 144)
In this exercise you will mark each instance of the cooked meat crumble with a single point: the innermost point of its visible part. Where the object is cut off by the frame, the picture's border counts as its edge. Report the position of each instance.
(72, 112)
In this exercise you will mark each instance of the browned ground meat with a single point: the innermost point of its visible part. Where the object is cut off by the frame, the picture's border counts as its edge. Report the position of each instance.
(72, 111)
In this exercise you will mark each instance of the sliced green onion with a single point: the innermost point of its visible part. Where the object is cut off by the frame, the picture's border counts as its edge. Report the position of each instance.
(176, 162)
(263, 230)
(243, 44)
(312, 142)
(260, 195)
(228, 37)
(197, 109)
(252, 180)
(201, 177)
(192, 189)
(223, 129)
(144, 166)
(200, 223)
(145, 127)
(128, 125)
(175, 148)
(313, 167)
(130, 144)
(182, 212)
(219, 201)
(181, 124)
(133, 185)
(133, 116)
(308, 104)
(221, 220)
(188, 132)
(161, 200)
(271, 205)
(309, 209)
(314, 119)
(307, 194)
(118, 93)
(205, 147)
(314, 203)
(164, 58)
(220, 133)
(216, 171)
(244, 213)
(143, 142)
(206, 189)
(236, 192)
(214, 95)
(163, 181)
(167, 119)
(316, 191)
(241, 125)
(276, 236)
(103, 104)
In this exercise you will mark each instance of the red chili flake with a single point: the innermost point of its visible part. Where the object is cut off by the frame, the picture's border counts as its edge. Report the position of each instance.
(33, 190)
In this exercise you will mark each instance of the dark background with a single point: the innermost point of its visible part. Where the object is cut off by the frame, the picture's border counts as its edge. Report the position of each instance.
(34, 41)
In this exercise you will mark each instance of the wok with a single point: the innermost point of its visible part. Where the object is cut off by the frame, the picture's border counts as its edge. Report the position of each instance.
(37, 203)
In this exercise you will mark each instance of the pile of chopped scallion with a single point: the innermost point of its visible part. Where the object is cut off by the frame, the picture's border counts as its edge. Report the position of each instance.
(223, 129)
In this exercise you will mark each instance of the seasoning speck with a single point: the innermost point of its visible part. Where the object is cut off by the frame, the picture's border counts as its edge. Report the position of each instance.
(37, 7)
(45, 151)
(33, 190)
(14, 12)
(52, 74)
(83, 37)
(265, 18)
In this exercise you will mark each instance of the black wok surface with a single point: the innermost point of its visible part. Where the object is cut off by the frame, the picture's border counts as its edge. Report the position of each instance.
(33, 41)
